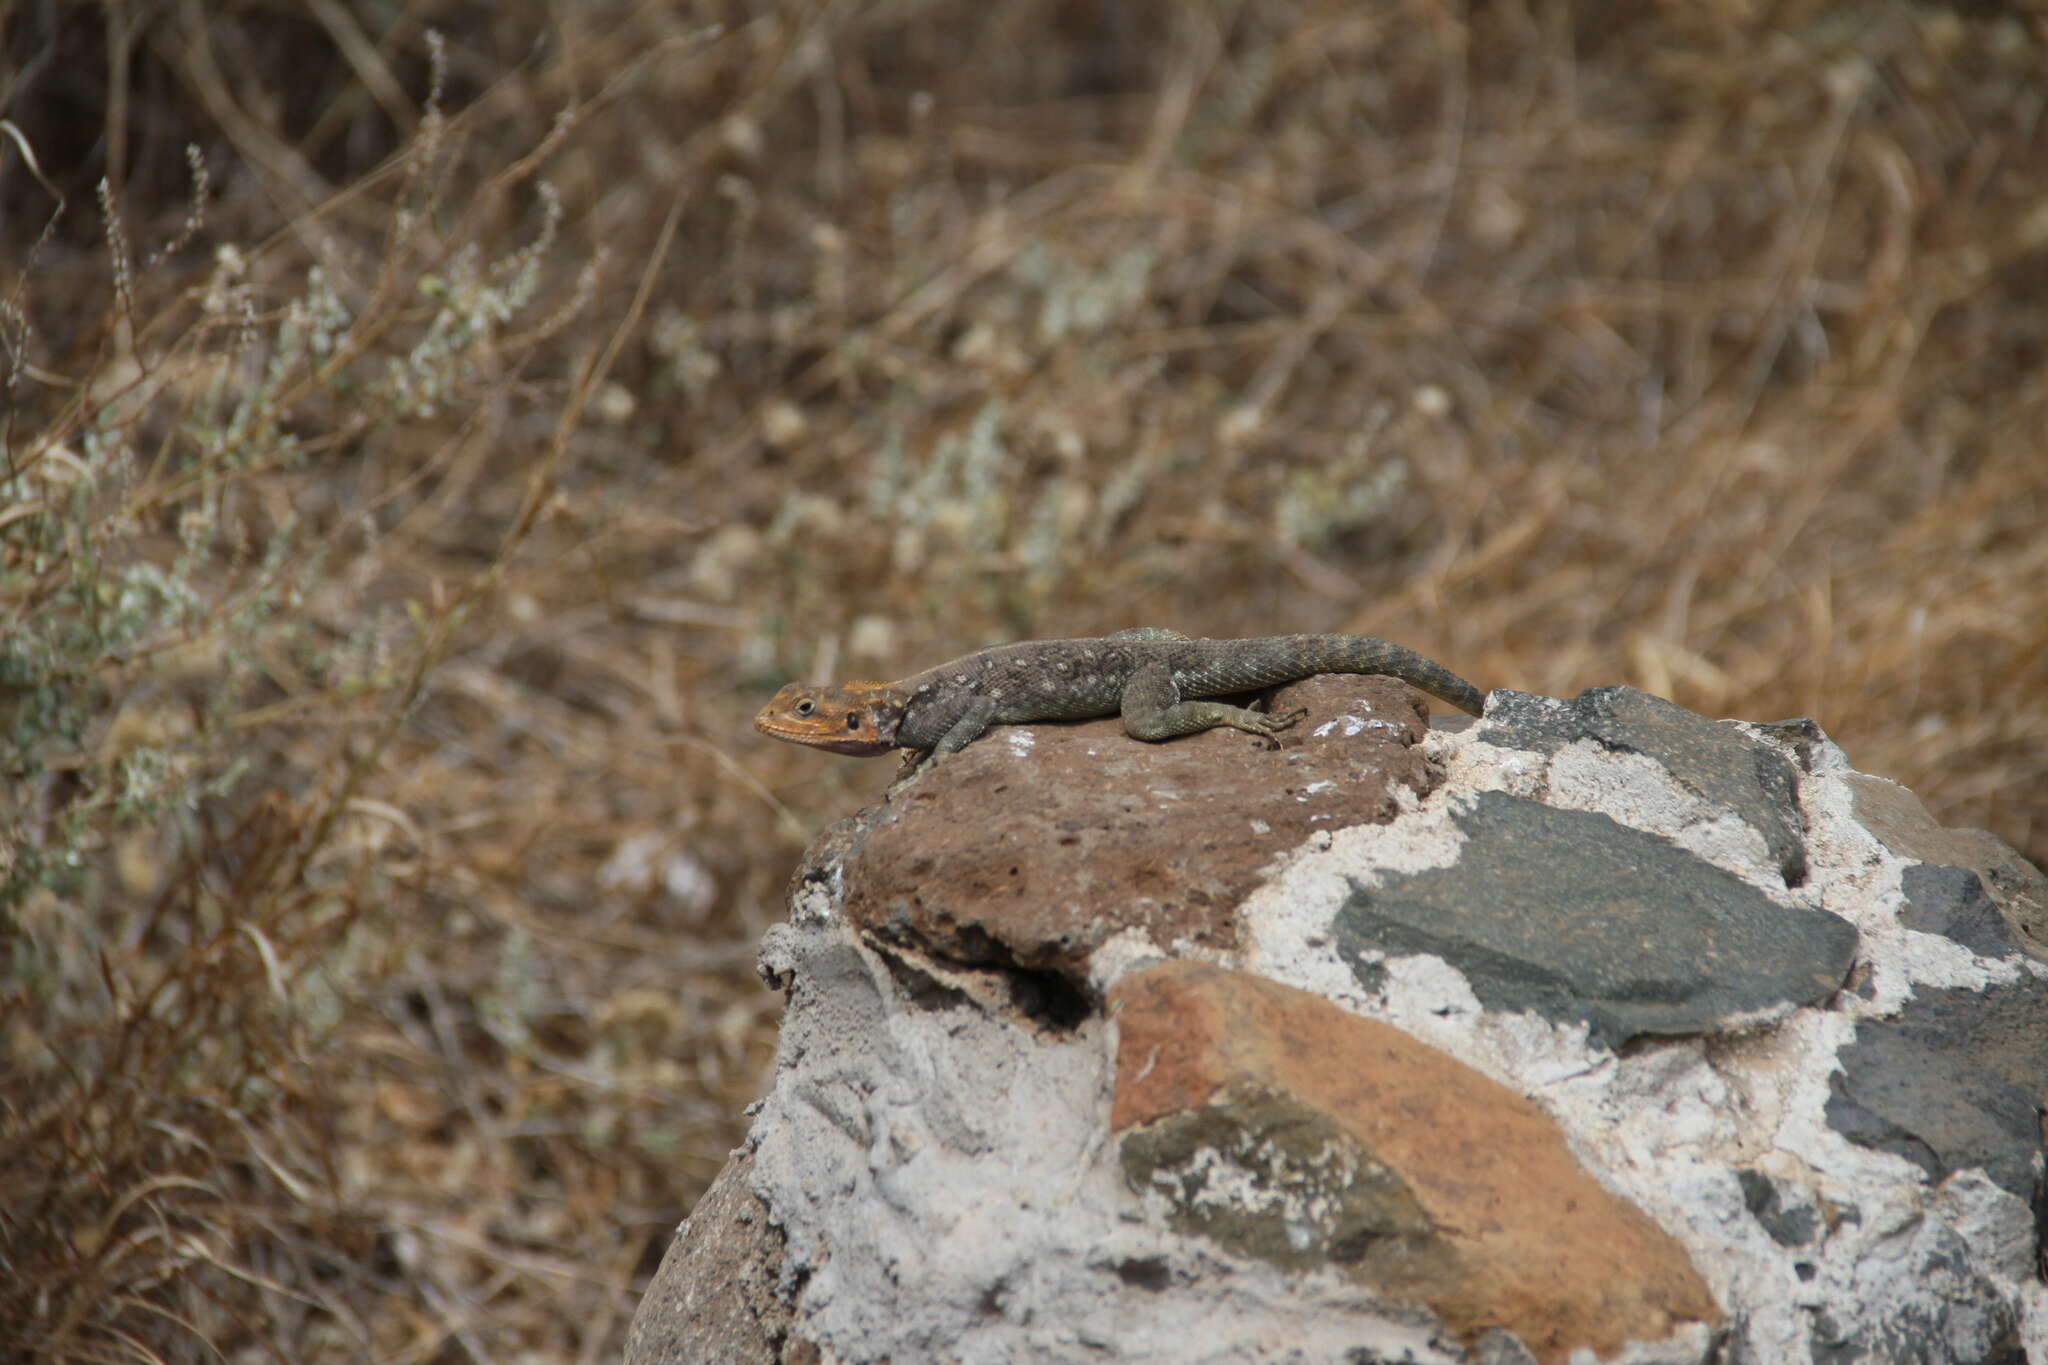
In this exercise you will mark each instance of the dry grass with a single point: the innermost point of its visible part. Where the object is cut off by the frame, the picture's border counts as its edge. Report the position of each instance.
(386, 844)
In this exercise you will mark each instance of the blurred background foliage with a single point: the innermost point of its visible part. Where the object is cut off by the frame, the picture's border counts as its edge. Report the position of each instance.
(432, 429)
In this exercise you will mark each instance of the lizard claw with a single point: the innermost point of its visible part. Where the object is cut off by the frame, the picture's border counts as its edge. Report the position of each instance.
(1268, 727)
(1271, 726)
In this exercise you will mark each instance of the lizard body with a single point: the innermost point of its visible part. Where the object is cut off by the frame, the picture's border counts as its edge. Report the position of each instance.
(1149, 674)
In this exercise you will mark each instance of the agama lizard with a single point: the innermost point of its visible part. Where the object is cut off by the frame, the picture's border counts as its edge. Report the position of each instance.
(1147, 674)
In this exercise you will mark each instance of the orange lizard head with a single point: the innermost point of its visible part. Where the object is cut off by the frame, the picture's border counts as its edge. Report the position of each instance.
(853, 718)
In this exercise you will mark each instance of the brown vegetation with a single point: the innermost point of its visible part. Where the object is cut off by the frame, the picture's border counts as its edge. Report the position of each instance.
(396, 537)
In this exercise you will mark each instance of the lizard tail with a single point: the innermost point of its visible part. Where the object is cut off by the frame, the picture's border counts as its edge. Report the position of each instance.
(1244, 666)
(1365, 654)
(1429, 675)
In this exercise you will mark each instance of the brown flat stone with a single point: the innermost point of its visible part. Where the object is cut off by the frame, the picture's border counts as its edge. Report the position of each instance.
(715, 1296)
(1035, 844)
(1287, 1129)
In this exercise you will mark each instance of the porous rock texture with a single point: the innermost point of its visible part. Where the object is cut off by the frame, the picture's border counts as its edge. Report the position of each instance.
(1589, 1030)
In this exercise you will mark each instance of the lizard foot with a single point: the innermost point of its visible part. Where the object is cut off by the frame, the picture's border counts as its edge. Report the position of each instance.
(1282, 722)
(1265, 727)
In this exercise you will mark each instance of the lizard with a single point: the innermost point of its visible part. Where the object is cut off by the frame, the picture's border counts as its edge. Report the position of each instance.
(1150, 674)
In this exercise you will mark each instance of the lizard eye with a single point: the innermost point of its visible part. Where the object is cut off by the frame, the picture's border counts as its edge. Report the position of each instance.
(806, 706)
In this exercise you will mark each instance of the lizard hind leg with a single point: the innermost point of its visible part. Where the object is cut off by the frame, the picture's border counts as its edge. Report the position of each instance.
(1153, 710)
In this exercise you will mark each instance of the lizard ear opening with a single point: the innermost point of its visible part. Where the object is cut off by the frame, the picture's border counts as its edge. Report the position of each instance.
(881, 721)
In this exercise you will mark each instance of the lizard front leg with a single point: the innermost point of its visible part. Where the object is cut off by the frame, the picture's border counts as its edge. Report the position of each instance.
(969, 723)
(977, 713)
(1153, 710)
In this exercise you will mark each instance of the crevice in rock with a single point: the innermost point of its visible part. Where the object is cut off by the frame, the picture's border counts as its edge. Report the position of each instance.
(1149, 1273)
(923, 990)
(1045, 998)
(1048, 999)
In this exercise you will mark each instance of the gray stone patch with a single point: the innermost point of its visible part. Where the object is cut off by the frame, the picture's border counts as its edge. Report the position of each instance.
(1955, 903)
(1801, 734)
(1958, 1079)
(1579, 919)
(1523, 720)
(1964, 1317)
(1263, 1175)
(1898, 820)
(1501, 1348)
(1715, 761)
(1788, 1224)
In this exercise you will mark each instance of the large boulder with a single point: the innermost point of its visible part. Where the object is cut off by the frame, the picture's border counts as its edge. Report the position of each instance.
(1592, 1029)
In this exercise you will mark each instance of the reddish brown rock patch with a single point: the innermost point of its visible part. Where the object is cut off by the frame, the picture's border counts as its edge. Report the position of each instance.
(1286, 1128)
(1037, 843)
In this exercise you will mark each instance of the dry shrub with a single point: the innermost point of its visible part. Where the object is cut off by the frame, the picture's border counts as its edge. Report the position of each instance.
(214, 637)
(387, 842)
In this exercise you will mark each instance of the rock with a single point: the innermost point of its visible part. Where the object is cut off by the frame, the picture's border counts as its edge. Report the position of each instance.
(1902, 824)
(715, 1296)
(1575, 917)
(1589, 1030)
(1955, 903)
(1963, 1315)
(1068, 819)
(1284, 1128)
(1714, 760)
(1772, 1202)
(1958, 1079)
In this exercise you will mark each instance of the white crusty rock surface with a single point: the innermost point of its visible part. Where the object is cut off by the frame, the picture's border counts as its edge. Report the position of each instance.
(1590, 1030)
